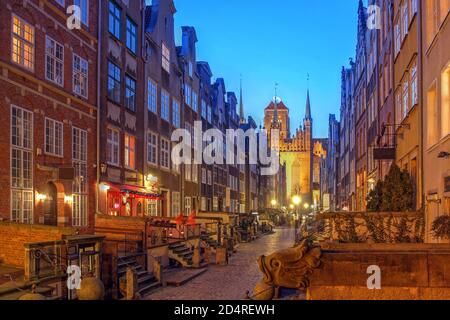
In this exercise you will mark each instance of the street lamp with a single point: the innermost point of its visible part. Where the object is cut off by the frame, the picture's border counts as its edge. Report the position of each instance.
(306, 206)
(273, 202)
(296, 200)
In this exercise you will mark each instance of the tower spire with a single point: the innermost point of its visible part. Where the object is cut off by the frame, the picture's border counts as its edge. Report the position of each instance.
(241, 106)
(275, 110)
(308, 104)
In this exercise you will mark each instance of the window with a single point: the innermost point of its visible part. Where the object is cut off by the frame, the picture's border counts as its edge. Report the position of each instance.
(114, 19)
(54, 61)
(405, 102)
(188, 172)
(215, 203)
(60, 2)
(21, 165)
(187, 94)
(187, 206)
(152, 208)
(190, 69)
(203, 205)
(130, 93)
(22, 43)
(397, 39)
(204, 111)
(152, 96)
(414, 7)
(405, 19)
(152, 148)
(176, 204)
(398, 105)
(203, 175)
(209, 178)
(414, 87)
(432, 116)
(80, 183)
(114, 78)
(130, 151)
(209, 115)
(165, 153)
(165, 58)
(165, 105)
(112, 147)
(131, 35)
(194, 101)
(195, 173)
(445, 102)
(176, 113)
(84, 8)
(53, 137)
(80, 76)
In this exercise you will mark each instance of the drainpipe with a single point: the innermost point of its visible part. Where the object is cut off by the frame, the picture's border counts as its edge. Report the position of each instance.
(99, 54)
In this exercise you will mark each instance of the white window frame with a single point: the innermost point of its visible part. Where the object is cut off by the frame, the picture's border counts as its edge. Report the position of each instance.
(129, 151)
(53, 63)
(187, 206)
(53, 145)
(188, 95)
(165, 57)
(204, 174)
(176, 204)
(112, 145)
(82, 74)
(80, 184)
(22, 43)
(165, 153)
(152, 209)
(21, 186)
(152, 146)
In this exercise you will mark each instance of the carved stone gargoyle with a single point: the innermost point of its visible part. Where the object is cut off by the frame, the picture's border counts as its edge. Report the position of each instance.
(288, 268)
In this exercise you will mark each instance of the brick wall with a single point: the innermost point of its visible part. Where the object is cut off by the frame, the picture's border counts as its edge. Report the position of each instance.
(14, 236)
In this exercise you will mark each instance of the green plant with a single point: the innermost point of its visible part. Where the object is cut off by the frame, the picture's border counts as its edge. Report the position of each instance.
(441, 227)
(375, 198)
(397, 191)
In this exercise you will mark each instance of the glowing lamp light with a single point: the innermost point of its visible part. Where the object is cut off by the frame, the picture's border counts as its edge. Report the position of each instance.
(274, 202)
(41, 197)
(296, 200)
(104, 187)
(291, 206)
(116, 205)
(306, 206)
(68, 199)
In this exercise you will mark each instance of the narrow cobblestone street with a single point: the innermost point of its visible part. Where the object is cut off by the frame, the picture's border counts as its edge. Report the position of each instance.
(232, 281)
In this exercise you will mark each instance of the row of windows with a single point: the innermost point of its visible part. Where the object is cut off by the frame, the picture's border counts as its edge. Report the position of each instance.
(406, 96)
(22, 193)
(23, 52)
(114, 26)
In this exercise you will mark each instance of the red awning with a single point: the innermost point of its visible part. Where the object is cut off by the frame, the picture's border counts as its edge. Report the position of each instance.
(133, 192)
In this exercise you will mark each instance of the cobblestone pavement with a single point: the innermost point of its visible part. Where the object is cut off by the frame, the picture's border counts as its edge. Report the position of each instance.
(232, 281)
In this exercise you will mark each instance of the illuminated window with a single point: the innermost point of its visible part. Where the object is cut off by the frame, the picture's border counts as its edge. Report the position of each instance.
(80, 76)
(445, 102)
(432, 116)
(130, 152)
(414, 86)
(165, 58)
(53, 137)
(152, 208)
(22, 43)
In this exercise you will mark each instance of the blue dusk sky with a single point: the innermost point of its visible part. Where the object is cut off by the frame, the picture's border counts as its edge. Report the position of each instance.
(281, 41)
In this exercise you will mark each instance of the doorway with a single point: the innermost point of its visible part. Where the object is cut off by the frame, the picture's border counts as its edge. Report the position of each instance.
(50, 205)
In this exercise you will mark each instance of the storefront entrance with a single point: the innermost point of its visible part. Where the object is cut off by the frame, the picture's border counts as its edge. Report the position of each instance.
(50, 205)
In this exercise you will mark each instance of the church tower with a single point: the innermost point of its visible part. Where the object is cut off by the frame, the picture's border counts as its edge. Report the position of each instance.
(241, 107)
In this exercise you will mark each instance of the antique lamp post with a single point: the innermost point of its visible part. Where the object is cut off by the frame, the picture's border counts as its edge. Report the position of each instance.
(296, 201)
